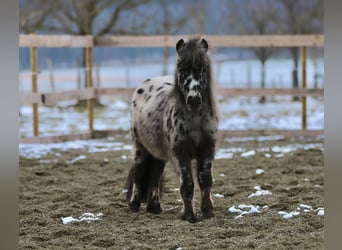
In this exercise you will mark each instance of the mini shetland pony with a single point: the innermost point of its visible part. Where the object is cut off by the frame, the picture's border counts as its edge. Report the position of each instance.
(175, 118)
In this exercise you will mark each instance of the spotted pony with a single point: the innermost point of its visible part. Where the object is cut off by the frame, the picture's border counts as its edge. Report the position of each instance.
(174, 119)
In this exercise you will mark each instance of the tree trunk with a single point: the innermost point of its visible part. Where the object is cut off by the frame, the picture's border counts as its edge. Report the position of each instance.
(295, 82)
(166, 60)
(262, 98)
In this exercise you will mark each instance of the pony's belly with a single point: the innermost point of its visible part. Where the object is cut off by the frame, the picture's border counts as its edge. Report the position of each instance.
(149, 132)
(149, 104)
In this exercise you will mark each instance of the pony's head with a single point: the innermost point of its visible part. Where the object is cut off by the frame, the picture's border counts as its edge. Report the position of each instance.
(193, 71)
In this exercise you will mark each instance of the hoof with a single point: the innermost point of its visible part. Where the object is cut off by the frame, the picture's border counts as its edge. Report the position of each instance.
(207, 214)
(134, 206)
(154, 208)
(207, 211)
(189, 217)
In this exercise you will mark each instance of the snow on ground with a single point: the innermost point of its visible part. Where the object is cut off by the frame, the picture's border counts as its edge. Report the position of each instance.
(243, 209)
(302, 208)
(259, 192)
(37, 151)
(85, 217)
(259, 171)
(238, 113)
(276, 151)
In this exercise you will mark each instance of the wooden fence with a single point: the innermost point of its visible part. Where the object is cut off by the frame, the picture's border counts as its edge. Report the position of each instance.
(89, 93)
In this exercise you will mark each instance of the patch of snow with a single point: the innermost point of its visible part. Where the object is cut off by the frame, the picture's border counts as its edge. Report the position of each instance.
(259, 171)
(87, 217)
(248, 153)
(223, 154)
(81, 157)
(288, 215)
(244, 209)
(69, 219)
(301, 208)
(320, 211)
(254, 138)
(259, 192)
(267, 155)
(219, 195)
(36, 151)
(282, 149)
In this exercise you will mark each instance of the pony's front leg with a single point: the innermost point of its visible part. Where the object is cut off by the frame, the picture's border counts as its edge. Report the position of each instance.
(205, 181)
(183, 168)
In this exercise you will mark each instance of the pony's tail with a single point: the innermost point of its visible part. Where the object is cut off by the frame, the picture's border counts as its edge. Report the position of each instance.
(140, 176)
(129, 184)
(144, 177)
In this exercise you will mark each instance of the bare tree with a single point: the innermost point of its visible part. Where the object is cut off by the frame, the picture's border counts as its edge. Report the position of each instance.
(255, 17)
(90, 17)
(300, 17)
(32, 15)
(164, 18)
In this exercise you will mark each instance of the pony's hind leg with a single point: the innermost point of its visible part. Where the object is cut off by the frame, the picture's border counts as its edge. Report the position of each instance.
(156, 169)
(135, 184)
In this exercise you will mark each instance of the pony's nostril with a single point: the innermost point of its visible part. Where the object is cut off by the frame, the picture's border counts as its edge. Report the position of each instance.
(194, 101)
(189, 100)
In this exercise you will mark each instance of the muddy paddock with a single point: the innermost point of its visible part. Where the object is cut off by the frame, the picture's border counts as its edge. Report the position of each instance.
(268, 194)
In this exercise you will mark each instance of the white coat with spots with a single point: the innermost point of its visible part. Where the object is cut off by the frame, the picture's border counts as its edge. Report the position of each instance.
(174, 119)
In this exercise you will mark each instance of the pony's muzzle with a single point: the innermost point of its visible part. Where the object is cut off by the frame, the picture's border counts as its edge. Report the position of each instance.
(194, 102)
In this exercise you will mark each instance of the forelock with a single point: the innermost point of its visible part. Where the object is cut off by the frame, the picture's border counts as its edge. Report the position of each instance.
(192, 55)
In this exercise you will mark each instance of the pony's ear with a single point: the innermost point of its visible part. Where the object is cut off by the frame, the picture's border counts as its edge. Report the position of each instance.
(204, 44)
(179, 44)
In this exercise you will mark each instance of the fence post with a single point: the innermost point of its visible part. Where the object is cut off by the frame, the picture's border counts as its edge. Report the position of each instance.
(304, 57)
(89, 81)
(34, 78)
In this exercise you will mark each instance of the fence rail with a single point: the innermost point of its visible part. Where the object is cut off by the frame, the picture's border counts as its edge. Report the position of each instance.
(50, 41)
(83, 94)
(89, 93)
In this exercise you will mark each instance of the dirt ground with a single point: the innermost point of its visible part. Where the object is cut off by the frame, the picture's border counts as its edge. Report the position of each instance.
(50, 190)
